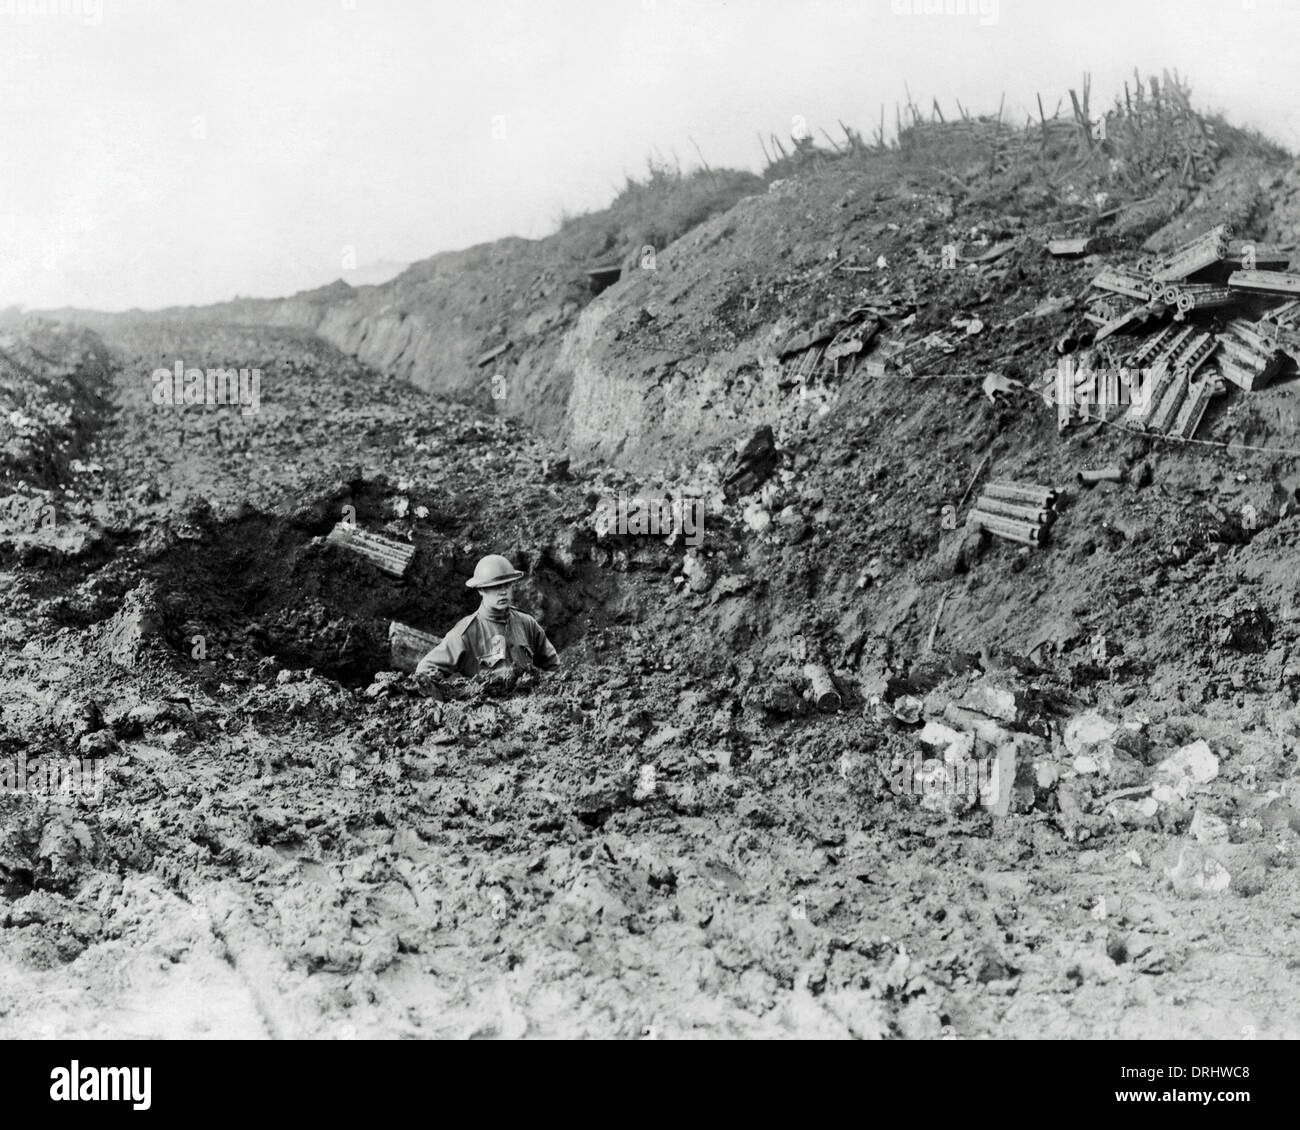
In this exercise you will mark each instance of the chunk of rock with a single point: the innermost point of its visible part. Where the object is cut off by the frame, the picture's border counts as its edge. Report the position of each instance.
(1194, 762)
(1197, 873)
(1086, 732)
(1208, 829)
(953, 745)
(996, 702)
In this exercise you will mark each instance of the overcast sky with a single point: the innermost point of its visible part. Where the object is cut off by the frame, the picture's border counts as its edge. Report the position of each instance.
(177, 151)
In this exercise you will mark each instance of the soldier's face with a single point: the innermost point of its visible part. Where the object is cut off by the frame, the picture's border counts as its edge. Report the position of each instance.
(498, 597)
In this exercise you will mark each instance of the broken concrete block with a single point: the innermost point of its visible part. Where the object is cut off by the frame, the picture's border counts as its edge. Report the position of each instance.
(1198, 873)
(996, 702)
(699, 577)
(1208, 829)
(1134, 813)
(983, 727)
(907, 708)
(1194, 761)
(1086, 732)
(939, 736)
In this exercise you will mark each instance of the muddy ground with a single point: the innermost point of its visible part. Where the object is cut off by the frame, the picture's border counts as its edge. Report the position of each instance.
(279, 836)
(287, 846)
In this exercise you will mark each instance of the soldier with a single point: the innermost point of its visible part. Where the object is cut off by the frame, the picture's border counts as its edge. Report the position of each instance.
(499, 640)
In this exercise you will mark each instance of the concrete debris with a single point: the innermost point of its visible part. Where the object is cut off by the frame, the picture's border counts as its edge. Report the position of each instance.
(907, 708)
(953, 745)
(1198, 873)
(756, 518)
(1086, 732)
(698, 573)
(1208, 829)
(1195, 763)
(997, 702)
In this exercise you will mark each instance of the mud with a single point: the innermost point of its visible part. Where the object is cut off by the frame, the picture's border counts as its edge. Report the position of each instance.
(663, 840)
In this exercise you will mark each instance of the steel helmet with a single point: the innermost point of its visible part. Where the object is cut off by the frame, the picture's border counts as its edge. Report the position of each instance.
(492, 570)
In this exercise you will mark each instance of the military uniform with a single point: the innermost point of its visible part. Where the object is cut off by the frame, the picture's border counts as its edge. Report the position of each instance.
(497, 643)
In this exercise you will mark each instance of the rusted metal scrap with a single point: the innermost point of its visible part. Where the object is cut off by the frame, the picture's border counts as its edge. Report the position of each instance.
(1199, 394)
(824, 695)
(1203, 298)
(1026, 533)
(1122, 280)
(1027, 493)
(1068, 246)
(1273, 282)
(1248, 359)
(389, 556)
(1019, 512)
(407, 645)
(1194, 255)
(1101, 475)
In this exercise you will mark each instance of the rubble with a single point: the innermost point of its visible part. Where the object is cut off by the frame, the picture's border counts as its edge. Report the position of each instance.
(754, 464)
(1194, 763)
(1198, 873)
(1207, 828)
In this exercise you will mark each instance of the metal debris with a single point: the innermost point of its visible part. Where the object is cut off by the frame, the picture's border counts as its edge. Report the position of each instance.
(1019, 512)
(824, 695)
(1068, 246)
(1274, 282)
(387, 555)
(1101, 475)
(407, 645)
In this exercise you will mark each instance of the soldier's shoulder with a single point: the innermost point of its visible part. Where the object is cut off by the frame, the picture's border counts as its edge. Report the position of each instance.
(529, 621)
(461, 625)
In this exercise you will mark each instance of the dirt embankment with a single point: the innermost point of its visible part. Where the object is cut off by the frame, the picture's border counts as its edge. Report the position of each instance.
(667, 839)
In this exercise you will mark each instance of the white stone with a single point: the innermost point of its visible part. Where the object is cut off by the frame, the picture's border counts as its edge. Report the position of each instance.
(1194, 761)
(1086, 731)
(1208, 829)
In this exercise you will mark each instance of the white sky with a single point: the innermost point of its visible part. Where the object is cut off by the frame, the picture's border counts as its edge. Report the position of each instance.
(176, 151)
